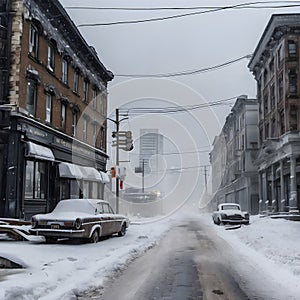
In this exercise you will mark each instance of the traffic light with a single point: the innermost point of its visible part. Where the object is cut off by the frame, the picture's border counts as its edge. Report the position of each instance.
(124, 140)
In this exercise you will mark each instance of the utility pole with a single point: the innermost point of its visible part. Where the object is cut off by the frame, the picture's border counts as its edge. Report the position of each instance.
(117, 161)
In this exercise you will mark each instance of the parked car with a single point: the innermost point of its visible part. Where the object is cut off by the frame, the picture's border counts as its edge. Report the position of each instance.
(79, 218)
(230, 213)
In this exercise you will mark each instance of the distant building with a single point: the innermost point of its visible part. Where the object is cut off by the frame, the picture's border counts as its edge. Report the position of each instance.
(53, 103)
(151, 143)
(275, 66)
(234, 151)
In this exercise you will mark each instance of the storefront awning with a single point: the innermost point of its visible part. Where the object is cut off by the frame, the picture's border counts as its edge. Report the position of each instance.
(38, 152)
(105, 177)
(68, 170)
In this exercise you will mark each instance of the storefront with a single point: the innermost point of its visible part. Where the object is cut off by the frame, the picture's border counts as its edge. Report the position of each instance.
(41, 166)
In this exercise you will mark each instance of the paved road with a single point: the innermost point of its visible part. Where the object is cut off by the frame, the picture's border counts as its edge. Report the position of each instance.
(186, 264)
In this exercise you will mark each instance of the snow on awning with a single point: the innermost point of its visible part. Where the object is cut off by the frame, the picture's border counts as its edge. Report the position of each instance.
(39, 152)
(68, 170)
(105, 177)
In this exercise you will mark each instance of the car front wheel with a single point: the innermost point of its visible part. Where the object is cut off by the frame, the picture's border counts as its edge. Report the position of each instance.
(94, 237)
(122, 232)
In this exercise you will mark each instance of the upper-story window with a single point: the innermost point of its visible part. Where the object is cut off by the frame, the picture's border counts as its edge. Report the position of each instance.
(85, 90)
(63, 115)
(51, 58)
(292, 48)
(102, 138)
(94, 134)
(95, 94)
(65, 71)
(272, 96)
(31, 96)
(292, 82)
(84, 130)
(280, 87)
(48, 107)
(102, 103)
(76, 81)
(279, 56)
(74, 123)
(33, 41)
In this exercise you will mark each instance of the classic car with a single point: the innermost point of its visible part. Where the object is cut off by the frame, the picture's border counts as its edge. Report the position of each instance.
(87, 219)
(230, 213)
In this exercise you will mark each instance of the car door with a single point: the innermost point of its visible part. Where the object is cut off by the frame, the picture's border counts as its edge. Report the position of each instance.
(109, 219)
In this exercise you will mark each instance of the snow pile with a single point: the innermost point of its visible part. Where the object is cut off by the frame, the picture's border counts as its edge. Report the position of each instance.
(61, 271)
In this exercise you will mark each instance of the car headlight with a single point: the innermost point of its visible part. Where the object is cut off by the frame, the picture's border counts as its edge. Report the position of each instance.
(78, 223)
(34, 222)
(247, 216)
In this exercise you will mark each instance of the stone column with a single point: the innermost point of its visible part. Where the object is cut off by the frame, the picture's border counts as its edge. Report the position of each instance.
(273, 192)
(293, 190)
(282, 194)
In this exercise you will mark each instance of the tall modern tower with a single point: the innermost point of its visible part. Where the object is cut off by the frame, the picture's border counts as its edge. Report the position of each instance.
(151, 144)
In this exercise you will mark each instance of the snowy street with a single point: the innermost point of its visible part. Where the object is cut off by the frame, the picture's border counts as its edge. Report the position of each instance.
(262, 259)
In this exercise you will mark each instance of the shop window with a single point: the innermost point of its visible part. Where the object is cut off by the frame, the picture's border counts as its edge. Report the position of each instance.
(76, 81)
(51, 58)
(65, 71)
(85, 189)
(70, 189)
(292, 82)
(35, 180)
(85, 91)
(94, 191)
(48, 108)
(33, 41)
(292, 49)
(31, 97)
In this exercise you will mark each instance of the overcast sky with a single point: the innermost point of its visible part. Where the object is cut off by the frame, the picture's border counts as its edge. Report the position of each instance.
(175, 45)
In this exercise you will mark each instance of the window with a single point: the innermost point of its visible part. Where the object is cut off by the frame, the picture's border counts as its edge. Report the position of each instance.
(282, 122)
(292, 49)
(76, 81)
(48, 107)
(35, 180)
(85, 90)
(95, 99)
(292, 82)
(279, 56)
(74, 123)
(51, 58)
(102, 138)
(94, 134)
(84, 130)
(64, 71)
(272, 96)
(273, 128)
(33, 41)
(63, 116)
(280, 87)
(266, 104)
(102, 103)
(31, 97)
(293, 117)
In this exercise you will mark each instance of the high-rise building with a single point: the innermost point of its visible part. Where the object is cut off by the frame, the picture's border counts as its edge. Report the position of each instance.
(151, 144)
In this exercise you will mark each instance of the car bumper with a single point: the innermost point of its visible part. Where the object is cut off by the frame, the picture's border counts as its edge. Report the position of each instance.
(235, 221)
(59, 233)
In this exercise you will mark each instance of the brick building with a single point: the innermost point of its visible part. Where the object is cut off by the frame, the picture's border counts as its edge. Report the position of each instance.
(53, 103)
(275, 66)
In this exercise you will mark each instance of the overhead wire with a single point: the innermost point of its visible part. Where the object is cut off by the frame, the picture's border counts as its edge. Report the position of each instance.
(185, 73)
(210, 10)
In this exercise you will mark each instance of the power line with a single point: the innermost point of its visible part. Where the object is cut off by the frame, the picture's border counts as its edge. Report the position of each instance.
(174, 109)
(244, 6)
(211, 10)
(185, 73)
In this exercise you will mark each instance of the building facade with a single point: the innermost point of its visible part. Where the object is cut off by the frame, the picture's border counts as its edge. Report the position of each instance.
(275, 66)
(234, 151)
(151, 144)
(53, 102)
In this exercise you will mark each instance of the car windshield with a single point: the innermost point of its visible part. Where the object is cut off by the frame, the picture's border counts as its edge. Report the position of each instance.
(227, 207)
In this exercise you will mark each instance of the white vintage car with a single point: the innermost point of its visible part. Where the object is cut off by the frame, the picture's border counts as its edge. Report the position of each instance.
(230, 213)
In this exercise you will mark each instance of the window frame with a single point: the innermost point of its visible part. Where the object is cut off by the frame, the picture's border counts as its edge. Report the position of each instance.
(51, 58)
(48, 118)
(33, 41)
(64, 71)
(63, 115)
(85, 90)
(74, 123)
(31, 83)
(76, 81)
